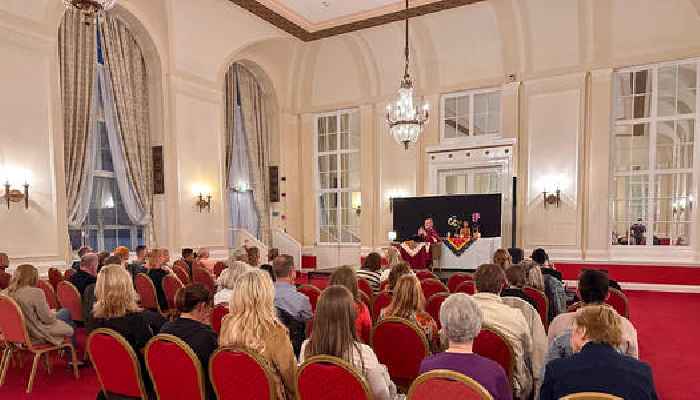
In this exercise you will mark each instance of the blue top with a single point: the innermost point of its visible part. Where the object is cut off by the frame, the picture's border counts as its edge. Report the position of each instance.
(290, 300)
(487, 372)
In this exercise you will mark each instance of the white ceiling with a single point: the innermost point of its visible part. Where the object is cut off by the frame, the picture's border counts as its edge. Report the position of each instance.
(318, 11)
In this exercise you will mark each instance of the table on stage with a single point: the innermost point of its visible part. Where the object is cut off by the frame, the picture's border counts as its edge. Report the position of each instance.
(480, 252)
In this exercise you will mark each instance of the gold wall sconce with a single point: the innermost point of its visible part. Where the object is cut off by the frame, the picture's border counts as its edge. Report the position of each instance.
(552, 199)
(16, 195)
(203, 199)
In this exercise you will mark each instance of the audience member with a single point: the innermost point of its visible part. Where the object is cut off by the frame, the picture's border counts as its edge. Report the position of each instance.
(397, 271)
(101, 257)
(155, 271)
(502, 258)
(192, 326)
(188, 258)
(515, 276)
(4, 262)
(140, 255)
(114, 260)
(253, 256)
(203, 259)
(272, 254)
(335, 335)
(408, 302)
(240, 255)
(227, 280)
(489, 280)
(345, 276)
(541, 258)
(597, 366)
(461, 323)
(252, 324)
(87, 274)
(551, 286)
(81, 252)
(287, 298)
(123, 253)
(393, 257)
(371, 270)
(164, 257)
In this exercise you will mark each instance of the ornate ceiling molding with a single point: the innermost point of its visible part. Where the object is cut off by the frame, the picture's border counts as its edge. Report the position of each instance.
(307, 34)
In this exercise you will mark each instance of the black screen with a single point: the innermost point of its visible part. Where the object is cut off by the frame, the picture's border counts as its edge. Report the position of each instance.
(410, 212)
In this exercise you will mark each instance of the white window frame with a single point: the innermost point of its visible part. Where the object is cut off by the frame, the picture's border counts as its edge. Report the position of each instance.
(471, 138)
(319, 191)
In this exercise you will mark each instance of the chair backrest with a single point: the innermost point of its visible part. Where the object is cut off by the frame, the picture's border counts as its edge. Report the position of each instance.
(366, 299)
(401, 346)
(312, 292)
(457, 278)
(590, 396)
(5, 279)
(432, 307)
(382, 300)
(171, 284)
(425, 274)
(182, 264)
(115, 362)
(219, 267)
(12, 324)
(203, 276)
(68, 273)
(365, 287)
(430, 286)
(467, 287)
(618, 301)
(240, 374)
(542, 302)
(54, 277)
(339, 380)
(147, 292)
(447, 385)
(493, 345)
(174, 368)
(181, 273)
(49, 293)
(70, 298)
(217, 316)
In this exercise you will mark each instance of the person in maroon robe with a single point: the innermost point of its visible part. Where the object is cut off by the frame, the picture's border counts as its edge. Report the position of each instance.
(428, 233)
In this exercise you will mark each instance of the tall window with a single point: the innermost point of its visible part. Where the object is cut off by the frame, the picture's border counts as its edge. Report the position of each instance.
(338, 157)
(470, 113)
(653, 141)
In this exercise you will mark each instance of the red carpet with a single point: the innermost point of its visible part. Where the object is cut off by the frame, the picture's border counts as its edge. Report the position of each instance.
(673, 316)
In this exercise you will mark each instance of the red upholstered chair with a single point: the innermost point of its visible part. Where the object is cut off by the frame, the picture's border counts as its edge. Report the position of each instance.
(382, 300)
(241, 374)
(383, 286)
(4, 280)
(115, 362)
(14, 330)
(365, 287)
(181, 273)
(618, 301)
(312, 292)
(430, 286)
(366, 299)
(591, 396)
(219, 267)
(330, 378)
(54, 277)
(493, 345)
(171, 284)
(456, 279)
(49, 293)
(68, 273)
(69, 297)
(467, 287)
(217, 316)
(401, 346)
(147, 292)
(174, 368)
(425, 274)
(320, 280)
(203, 276)
(447, 385)
(542, 304)
(432, 307)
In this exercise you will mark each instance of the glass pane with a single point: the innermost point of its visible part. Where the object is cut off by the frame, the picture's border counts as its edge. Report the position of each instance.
(76, 238)
(642, 106)
(92, 239)
(674, 144)
(463, 106)
(139, 237)
(625, 108)
(455, 184)
(110, 239)
(687, 76)
(332, 142)
(495, 102)
(354, 131)
(685, 103)
(480, 124)
(332, 124)
(462, 127)
(494, 120)
(481, 103)
(450, 107)
(124, 237)
(322, 145)
(671, 234)
(624, 83)
(631, 147)
(642, 81)
(322, 126)
(344, 140)
(667, 81)
(450, 128)
(344, 122)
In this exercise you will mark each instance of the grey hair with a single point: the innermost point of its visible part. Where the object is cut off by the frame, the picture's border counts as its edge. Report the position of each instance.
(461, 318)
(232, 273)
(240, 255)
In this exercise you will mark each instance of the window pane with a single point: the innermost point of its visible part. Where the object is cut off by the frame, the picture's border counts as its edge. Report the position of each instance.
(481, 103)
(110, 239)
(632, 147)
(450, 107)
(463, 106)
(685, 102)
(687, 76)
(450, 128)
(76, 238)
(332, 124)
(92, 239)
(322, 145)
(642, 81)
(642, 106)
(124, 238)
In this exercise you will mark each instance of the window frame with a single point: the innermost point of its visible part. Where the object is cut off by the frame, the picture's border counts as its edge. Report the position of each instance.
(471, 93)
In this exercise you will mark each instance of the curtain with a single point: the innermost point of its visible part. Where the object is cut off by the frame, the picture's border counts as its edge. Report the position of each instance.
(242, 208)
(124, 84)
(77, 58)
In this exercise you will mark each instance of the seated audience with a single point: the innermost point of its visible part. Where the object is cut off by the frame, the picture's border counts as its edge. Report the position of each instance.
(541, 258)
(138, 266)
(253, 256)
(123, 253)
(227, 280)
(502, 258)
(461, 323)
(101, 257)
(334, 335)
(551, 286)
(515, 276)
(272, 254)
(4, 261)
(408, 302)
(287, 298)
(164, 257)
(155, 271)
(140, 255)
(114, 260)
(489, 280)
(397, 271)
(345, 276)
(240, 255)
(81, 252)
(371, 270)
(87, 274)
(203, 259)
(188, 258)
(252, 324)
(597, 366)
(192, 326)
(393, 257)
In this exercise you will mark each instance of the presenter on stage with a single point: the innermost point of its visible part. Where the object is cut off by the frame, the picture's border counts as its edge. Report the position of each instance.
(428, 234)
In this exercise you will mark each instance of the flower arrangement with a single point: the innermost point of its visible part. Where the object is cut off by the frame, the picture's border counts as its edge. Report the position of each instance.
(476, 217)
(454, 222)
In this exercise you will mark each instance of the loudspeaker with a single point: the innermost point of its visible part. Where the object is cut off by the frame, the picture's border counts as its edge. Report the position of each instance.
(274, 174)
(158, 170)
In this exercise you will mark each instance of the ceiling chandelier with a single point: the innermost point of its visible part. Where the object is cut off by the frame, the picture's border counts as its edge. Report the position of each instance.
(407, 115)
(90, 8)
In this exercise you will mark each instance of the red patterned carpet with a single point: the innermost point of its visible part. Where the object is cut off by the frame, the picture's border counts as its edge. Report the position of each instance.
(667, 323)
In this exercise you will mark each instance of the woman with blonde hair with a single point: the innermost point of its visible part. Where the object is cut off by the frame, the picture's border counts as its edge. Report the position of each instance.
(408, 302)
(393, 257)
(227, 280)
(502, 258)
(252, 324)
(345, 276)
(397, 271)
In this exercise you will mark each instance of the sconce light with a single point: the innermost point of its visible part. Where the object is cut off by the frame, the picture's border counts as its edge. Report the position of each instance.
(356, 202)
(392, 236)
(552, 199)
(13, 195)
(203, 197)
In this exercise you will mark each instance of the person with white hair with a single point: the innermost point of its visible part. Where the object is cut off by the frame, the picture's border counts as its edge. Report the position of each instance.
(227, 280)
(461, 319)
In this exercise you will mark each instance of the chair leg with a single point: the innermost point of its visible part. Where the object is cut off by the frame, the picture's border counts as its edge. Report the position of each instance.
(47, 360)
(74, 357)
(5, 363)
(35, 363)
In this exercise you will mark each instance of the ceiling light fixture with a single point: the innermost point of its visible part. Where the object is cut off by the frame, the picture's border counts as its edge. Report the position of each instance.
(407, 115)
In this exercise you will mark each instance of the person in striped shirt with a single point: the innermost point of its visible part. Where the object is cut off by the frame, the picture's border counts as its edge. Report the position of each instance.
(371, 270)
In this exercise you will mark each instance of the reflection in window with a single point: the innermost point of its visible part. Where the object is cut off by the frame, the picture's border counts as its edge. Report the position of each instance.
(472, 113)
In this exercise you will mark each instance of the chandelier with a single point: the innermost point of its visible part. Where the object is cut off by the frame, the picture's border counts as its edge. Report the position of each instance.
(90, 8)
(407, 115)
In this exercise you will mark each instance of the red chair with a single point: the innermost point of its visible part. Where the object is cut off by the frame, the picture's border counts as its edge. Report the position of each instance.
(382, 300)
(383, 286)
(68, 273)
(312, 292)
(14, 330)
(217, 316)
(366, 299)
(425, 274)
(457, 278)
(430, 286)
(330, 378)
(433, 306)
(467, 287)
(219, 267)
(618, 301)
(241, 374)
(365, 287)
(147, 292)
(174, 368)
(542, 304)
(54, 277)
(447, 385)
(320, 280)
(171, 284)
(49, 293)
(5, 279)
(401, 346)
(69, 297)
(493, 345)
(201, 275)
(181, 273)
(115, 362)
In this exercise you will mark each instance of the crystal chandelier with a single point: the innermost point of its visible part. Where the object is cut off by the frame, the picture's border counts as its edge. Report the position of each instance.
(90, 8)
(407, 115)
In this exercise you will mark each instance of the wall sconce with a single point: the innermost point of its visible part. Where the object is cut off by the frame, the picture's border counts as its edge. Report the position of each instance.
(16, 195)
(356, 202)
(12, 178)
(552, 199)
(203, 197)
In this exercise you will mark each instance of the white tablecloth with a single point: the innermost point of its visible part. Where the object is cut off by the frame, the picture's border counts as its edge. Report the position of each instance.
(480, 252)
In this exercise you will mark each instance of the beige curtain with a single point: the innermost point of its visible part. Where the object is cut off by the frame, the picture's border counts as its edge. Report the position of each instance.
(77, 58)
(128, 81)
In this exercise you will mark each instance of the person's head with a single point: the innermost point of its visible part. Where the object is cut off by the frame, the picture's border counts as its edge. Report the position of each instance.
(460, 318)
(84, 250)
(593, 286)
(203, 253)
(373, 262)
(114, 260)
(428, 223)
(397, 271)
(240, 255)
(345, 276)
(539, 256)
(232, 273)
(4, 261)
(194, 301)
(408, 298)
(187, 254)
(164, 256)
(502, 257)
(89, 263)
(334, 331)
(115, 293)
(598, 324)
(533, 275)
(154, 258)
(272, 254)
(141, 252)
(122, 252)
(489, 278)
(253, 255)
(392, 256)
(283, 267)
(101, 257)
(25, 275)
(516, 276)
